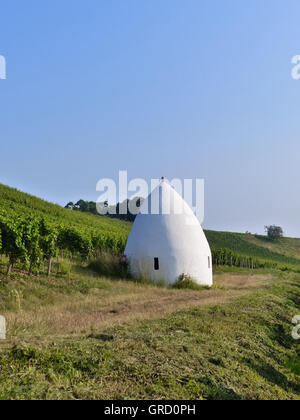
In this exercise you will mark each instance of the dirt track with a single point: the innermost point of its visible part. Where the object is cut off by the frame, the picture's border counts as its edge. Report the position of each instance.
(100, 309)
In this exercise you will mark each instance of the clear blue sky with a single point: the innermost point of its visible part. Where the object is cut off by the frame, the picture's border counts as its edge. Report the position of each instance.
(177, 88)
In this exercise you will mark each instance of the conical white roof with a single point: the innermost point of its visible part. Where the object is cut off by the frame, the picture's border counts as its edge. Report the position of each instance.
(169, 243)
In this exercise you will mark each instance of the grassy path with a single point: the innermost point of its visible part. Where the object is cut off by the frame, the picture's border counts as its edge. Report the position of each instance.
(95, 304)
(96, 338)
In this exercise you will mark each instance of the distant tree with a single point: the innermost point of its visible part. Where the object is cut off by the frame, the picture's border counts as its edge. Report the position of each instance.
(81, 205)
(92, 208)
(274, 232)
(70, 206)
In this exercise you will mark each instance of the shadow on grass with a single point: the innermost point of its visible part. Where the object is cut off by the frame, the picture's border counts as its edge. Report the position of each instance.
(273, 376)
(295, 299)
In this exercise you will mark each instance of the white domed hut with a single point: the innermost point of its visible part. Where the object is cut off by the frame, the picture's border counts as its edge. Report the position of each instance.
(169, 243)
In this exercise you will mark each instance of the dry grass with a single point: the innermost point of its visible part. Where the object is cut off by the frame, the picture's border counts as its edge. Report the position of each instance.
(93, 338)
(109, 303)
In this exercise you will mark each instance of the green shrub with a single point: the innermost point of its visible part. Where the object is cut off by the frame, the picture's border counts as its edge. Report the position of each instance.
(186, 282)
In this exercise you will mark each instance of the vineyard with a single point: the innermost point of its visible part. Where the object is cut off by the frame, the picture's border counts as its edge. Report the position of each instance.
(14, 202)
(238, 250)
(31, 241)
(33, 232)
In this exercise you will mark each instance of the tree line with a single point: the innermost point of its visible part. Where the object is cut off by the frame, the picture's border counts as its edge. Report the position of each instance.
(119, 211)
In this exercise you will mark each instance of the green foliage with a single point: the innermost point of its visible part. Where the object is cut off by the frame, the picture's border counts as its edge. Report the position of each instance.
(15, 203)
(109, 265)
(31, 241)
(33, 230)
(71, 240)
(13, 239)
(48, 239)
(236, 250)
(226, 257)
(187, 282)
(115, 212)
(274, 232)
(83, 206)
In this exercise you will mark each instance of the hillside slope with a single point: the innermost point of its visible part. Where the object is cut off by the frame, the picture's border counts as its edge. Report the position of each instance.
(286, 250)
(14, 202)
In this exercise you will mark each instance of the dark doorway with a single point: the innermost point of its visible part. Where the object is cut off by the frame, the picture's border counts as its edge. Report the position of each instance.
(156, 264)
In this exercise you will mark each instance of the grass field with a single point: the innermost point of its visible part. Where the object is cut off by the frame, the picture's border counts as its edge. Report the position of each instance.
(87, 337)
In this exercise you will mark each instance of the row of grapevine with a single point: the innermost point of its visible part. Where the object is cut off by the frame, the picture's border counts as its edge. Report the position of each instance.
(14, 203)
(31, 241)
(227, 257)
(34, 240)
(249, 245)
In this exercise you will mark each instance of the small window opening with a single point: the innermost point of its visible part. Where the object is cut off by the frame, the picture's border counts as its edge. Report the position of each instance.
(208, 262)
(156, 264)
